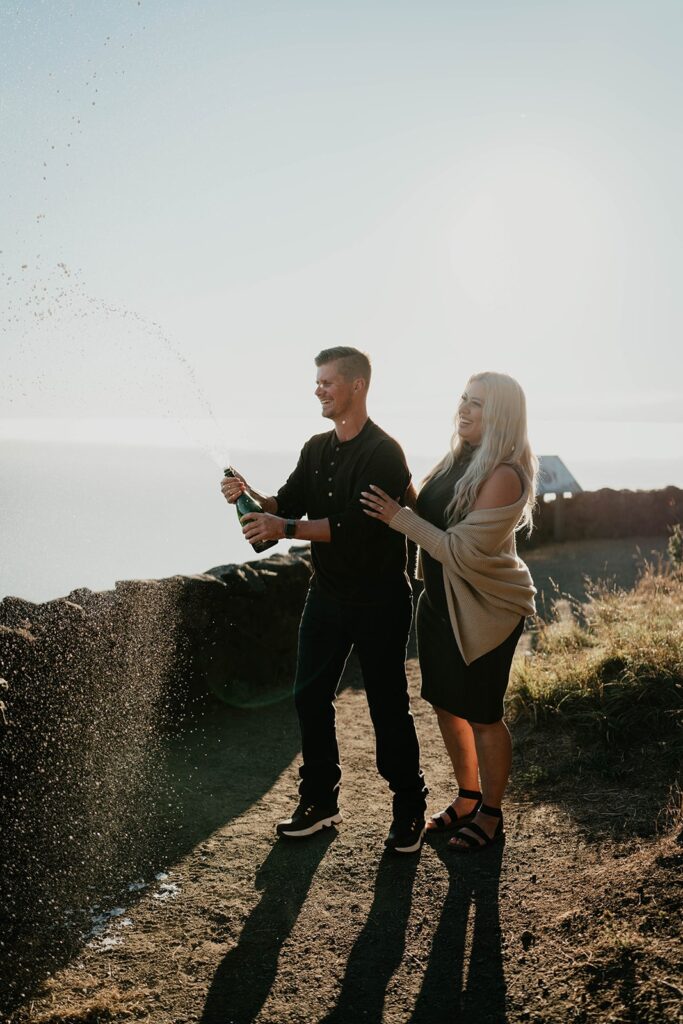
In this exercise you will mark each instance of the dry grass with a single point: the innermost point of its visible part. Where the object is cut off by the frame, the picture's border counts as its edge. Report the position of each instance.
(611, 668)
(109, 1004)
(596, 709)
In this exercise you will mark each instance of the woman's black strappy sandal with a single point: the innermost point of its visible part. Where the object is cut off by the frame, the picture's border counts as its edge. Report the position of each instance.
(481, 839)
(447, 819)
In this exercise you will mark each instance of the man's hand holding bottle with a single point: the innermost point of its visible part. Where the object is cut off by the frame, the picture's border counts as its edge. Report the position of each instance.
(232, 486)
(259, 527)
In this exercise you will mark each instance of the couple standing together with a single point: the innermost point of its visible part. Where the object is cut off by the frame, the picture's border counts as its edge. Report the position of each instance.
(354, 487)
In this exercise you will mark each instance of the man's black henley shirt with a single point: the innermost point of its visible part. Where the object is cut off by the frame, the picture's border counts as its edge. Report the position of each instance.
(364, 561)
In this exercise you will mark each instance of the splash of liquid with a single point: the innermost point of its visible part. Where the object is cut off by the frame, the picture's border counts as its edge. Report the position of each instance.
(109, 360)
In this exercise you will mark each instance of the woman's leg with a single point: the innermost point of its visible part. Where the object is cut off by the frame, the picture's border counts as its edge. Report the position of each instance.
(458, 739)
(494, 752)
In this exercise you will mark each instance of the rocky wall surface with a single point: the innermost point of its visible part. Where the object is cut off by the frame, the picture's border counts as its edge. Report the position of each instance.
(608, 513)
(94, 685)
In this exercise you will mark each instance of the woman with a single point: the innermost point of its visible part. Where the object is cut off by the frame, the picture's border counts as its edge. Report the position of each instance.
(477, 593)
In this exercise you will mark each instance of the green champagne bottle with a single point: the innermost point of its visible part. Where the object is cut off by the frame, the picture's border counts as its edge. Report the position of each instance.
(245, 503)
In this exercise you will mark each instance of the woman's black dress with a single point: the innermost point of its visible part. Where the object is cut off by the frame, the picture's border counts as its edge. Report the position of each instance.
(475, 691)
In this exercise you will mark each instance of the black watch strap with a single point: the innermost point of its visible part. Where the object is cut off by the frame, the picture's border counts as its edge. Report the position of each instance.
(290, 529)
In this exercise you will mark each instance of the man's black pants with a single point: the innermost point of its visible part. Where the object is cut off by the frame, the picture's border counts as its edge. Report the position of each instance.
(379, 632)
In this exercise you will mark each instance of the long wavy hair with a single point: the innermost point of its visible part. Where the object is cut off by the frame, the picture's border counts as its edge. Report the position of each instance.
(503, 439)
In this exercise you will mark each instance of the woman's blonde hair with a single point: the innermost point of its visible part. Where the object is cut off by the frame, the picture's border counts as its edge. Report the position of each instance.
(503, 439)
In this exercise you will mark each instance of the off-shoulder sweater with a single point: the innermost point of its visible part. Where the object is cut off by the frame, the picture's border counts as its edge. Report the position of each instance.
(488, 587)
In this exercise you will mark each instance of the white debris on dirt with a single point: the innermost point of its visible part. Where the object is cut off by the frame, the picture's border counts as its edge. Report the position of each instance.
(105, 926)
(100, 922)
(167, 891)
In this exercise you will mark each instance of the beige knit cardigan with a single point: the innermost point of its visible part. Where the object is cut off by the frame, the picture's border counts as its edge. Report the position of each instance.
(488, 587)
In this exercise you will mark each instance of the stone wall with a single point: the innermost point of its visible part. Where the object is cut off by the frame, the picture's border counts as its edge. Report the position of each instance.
(609, 513)
(93, 685)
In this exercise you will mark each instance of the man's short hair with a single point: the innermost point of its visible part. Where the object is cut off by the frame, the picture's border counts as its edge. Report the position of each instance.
(352, 362)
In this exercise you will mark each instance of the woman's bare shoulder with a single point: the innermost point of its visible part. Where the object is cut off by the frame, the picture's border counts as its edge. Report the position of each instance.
(502, 487)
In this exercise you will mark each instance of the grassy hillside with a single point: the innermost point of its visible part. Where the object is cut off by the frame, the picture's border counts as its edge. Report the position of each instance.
(596, 711)
(599, 700)
(611, 668)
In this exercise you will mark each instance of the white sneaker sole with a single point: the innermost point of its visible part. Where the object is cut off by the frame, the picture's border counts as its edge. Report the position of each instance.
(334, 819)
(410, 849)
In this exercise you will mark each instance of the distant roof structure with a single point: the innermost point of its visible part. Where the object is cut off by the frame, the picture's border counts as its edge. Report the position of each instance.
(555, 478)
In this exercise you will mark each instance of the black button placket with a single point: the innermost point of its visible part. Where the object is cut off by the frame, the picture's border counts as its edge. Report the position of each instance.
(332, 471)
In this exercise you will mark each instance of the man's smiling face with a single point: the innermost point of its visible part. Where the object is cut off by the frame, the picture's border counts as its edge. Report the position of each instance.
(334, 391)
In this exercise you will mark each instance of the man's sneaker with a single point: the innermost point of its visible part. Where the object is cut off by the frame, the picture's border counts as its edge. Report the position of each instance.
(406, 835)
(307, 819)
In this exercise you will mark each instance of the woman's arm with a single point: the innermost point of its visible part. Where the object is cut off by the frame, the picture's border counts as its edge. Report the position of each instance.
(500, 489)
(378, 504)
(480, 533)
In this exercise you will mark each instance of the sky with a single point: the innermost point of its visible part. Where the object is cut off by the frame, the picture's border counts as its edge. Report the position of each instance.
(198, 197)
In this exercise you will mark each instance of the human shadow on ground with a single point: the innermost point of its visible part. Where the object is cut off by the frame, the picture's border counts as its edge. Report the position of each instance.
(461, 981)
(244, 979)
(219, 764)
(213, 766)
(466, 982)
(380, 946)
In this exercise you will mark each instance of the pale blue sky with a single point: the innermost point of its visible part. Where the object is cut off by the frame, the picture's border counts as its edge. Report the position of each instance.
(452, 186)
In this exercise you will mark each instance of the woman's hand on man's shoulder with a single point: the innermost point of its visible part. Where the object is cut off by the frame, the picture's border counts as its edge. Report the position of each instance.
(502, 488)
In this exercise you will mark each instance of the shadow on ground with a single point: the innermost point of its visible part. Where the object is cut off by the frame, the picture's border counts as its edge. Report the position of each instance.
(609, 793)
(216, 765)
(243, 981)
(455, 974)
(465, 959)
(466, 978)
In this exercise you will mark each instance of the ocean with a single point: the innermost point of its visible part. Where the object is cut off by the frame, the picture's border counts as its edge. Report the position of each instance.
(86, 515)
(81, 515)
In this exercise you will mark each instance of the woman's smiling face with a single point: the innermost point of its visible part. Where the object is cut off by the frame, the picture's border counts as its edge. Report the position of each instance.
(470, 412)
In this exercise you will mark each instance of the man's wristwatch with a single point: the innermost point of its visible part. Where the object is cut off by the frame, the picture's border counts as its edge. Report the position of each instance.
(290, 529)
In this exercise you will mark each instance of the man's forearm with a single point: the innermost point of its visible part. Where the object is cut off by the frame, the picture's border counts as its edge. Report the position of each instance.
(260, 526)
(313, 529)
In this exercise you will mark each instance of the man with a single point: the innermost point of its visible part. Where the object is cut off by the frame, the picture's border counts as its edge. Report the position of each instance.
(359, 596)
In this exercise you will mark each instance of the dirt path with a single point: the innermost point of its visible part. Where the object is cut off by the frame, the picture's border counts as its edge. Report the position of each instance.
(245, 929)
